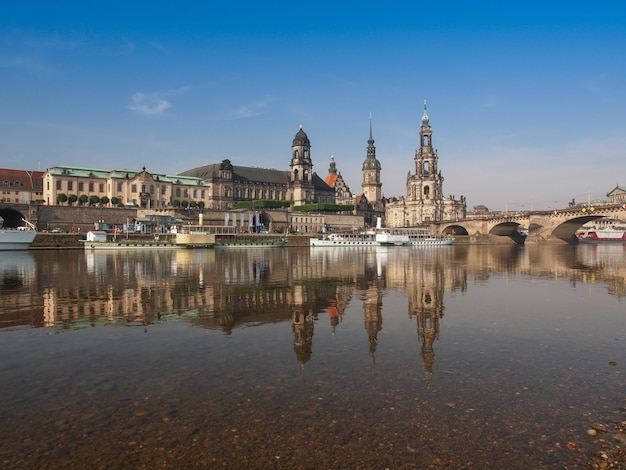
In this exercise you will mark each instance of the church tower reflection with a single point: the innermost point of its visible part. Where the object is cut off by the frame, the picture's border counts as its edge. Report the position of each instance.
(426, 304)
(372, 306)
(302, 325)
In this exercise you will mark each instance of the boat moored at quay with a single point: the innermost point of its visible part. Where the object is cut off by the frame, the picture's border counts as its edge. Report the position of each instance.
(190, 236)
(97, 240)
(602, 235)
(429, 239)
(185, 236)
(19, 238)
(346, 239)
(383, 237)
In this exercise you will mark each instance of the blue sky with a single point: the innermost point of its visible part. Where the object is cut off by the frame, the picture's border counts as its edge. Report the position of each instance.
(527, 100)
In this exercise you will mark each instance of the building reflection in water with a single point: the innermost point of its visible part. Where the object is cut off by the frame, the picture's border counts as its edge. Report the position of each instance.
(227, 289)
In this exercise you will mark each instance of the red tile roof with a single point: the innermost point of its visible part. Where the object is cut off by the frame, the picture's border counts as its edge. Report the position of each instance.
(27, 179)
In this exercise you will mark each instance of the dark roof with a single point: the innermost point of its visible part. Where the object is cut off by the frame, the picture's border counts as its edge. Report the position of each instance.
(320, 184)
(267, 175)
(301, 138)
(241, 173)
(252, 174)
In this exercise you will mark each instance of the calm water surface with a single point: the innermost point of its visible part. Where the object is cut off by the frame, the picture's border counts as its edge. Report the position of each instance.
(448, 357)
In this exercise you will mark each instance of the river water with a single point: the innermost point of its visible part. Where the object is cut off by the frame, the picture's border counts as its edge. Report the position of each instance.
(372, 358)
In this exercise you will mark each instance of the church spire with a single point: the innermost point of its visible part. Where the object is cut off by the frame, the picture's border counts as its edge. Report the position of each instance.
(371, 184)
(425, 118)
(333, 165)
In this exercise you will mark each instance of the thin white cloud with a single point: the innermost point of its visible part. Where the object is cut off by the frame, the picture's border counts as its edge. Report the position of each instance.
(153, 104)
(250, 110)
(30, 64)
(148, 105)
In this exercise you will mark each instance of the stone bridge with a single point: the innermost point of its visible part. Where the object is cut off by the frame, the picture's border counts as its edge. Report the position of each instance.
(559, 225)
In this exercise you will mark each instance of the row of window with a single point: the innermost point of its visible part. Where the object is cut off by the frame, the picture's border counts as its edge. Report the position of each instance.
(91, 187)
(306, 220)
(7, 183)
(249, 193)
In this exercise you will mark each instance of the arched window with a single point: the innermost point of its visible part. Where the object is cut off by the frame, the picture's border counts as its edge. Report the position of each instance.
(6, 183)
(295, 154)
(427, 192)
(296, 175)
(305, 176)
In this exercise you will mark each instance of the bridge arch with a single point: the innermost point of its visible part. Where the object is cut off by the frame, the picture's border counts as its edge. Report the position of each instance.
(11, 217)
(454, 229)
(505, 229)
(566, 230)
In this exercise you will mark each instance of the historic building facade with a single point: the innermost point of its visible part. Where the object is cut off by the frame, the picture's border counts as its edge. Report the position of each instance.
(142, 189)
(343, 195)
(424, 202)
(21, 186)
(617, 195)
(299, 185)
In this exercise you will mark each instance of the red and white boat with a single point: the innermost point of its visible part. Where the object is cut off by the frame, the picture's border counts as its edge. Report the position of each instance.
(602, 235)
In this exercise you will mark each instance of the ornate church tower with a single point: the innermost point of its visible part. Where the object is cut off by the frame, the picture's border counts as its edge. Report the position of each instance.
(302, 189)
(371, 184)
(425, 187)
(428, 182)
(424, 203)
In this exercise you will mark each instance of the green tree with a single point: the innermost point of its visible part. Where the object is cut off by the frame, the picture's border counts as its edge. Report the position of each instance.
(262, 204)
(193, 204)
(201, 204)
(175, 203)
(72, 198)
(61, 198)
(104, 200)
(83, 199)
(184, 203)
(115, 201)
(93, 200)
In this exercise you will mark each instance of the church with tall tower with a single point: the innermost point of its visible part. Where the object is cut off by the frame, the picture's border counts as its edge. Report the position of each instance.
(371, 184)
(424, 202)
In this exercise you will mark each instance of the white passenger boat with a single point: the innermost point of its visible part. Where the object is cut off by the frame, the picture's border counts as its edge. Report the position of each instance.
(388, 237)
(384, 237)
(346, 239)
(419, 238)
(17, 239)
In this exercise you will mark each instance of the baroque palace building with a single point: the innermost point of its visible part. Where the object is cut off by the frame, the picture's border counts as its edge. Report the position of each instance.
(126, 187)
(424, 202)
(299, 185)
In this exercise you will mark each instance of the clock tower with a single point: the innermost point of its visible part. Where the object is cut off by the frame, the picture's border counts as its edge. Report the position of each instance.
(371, 184)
